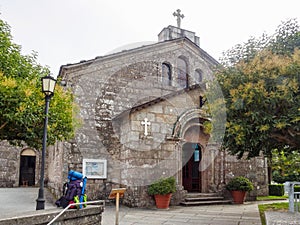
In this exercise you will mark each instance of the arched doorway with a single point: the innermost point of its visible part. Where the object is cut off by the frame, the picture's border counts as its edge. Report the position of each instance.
(191, 159)
(189, 128)
(27, 168)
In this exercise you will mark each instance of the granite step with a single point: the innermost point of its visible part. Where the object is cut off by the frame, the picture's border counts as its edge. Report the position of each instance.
(197, 203)
(213, 198)
(194, 199)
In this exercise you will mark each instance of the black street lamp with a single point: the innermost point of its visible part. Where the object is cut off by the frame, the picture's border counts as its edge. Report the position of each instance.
(48, 89)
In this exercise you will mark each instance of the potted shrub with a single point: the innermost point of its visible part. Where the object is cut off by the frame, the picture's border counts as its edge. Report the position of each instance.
(162, 191)
(239, 186)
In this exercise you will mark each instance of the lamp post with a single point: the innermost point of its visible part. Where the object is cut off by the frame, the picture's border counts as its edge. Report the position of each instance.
(48, 84)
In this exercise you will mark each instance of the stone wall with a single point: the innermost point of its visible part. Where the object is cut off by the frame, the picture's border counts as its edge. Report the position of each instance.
(10, 165)
(89, 216)
(254, 169)
(56, 173)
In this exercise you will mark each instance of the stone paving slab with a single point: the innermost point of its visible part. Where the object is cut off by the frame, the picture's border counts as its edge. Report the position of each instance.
(20, 201)
(282, 218)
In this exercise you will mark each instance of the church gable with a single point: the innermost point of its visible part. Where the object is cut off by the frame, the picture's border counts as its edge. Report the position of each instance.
(166, 52)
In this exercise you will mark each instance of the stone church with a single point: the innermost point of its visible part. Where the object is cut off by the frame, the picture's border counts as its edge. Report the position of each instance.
(143, 113)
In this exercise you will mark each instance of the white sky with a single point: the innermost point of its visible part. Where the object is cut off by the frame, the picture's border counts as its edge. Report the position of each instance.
(68, 31)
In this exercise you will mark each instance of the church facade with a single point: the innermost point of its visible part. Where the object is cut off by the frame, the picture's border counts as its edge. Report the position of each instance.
(143, 117)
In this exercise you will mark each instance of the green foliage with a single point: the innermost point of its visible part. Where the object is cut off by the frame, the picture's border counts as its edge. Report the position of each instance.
(296, 188)
(22, 101)
(287, 38)
(276, 189)
(261, 88)
(285, 165)
(216, 108)
(207, 127)
(283, 42)
(162, 186)
(271, 197)
(239, 184)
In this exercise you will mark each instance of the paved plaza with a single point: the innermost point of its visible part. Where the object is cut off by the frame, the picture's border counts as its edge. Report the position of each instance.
(22, 201)
(213, 214)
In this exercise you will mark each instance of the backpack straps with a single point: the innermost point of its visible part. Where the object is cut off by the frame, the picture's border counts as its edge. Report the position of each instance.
(65, 188)
(82, 197)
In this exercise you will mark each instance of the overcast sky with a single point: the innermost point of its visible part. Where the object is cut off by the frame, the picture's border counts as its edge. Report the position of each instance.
(68, 31)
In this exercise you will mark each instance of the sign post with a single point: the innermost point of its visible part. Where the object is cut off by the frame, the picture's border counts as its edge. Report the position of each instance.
(117, 194)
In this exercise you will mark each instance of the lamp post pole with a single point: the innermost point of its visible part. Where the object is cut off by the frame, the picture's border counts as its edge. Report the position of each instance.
(40, 202)
(48, 89)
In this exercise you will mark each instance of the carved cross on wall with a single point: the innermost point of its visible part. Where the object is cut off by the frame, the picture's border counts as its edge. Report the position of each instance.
(179, 17)
(146, 123)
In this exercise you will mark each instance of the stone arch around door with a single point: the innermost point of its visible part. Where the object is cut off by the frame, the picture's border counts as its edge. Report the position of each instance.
(189, 129)
(27, 167)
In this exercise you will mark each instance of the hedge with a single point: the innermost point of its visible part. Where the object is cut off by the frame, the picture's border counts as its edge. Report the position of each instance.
(276, 189)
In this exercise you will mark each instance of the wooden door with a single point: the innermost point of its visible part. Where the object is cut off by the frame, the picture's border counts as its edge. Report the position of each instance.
(27, 171)
(191, 176)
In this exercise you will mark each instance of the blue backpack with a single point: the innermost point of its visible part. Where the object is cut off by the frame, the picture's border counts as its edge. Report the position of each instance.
(73, 190)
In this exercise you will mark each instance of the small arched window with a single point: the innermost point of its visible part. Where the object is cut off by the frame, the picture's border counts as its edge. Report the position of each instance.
(166, 74)
(198, 76)
(182, 72)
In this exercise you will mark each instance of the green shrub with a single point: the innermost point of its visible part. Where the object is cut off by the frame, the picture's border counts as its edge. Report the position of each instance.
(276, 177)
(296, 188)
(276, 189)
(162, 186)
(281, 179)
(239, 184)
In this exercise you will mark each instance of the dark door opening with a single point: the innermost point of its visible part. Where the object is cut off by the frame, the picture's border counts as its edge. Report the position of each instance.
(27, 171)
(191, 176)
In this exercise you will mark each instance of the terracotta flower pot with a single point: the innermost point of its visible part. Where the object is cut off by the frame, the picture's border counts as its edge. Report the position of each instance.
(238, 196)
(163, 201)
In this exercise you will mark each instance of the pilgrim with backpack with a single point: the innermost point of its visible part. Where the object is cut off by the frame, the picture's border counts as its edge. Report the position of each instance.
(73, 191)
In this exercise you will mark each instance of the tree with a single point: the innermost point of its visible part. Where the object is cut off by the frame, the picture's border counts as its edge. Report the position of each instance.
(260, 84)
(285, 39)
(285, 166)
(22, 101)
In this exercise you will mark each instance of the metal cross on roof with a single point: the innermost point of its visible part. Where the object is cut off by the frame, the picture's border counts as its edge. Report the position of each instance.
(179, 17)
